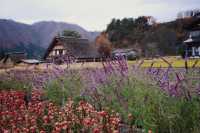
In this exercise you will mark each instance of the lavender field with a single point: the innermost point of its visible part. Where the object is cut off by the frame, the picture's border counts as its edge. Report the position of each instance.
(165, 100)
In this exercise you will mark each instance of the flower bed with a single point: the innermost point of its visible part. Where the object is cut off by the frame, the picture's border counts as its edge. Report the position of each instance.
(18, 115)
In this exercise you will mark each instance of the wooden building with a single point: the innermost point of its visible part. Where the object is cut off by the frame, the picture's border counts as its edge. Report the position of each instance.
(11, 59)
(78, 48)
(192, 44)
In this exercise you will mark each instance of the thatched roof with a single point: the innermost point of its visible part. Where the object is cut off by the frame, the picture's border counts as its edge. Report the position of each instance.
(77, 47)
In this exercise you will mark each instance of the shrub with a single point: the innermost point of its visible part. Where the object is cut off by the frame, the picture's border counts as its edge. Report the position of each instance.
(14, 85)
(62, 88)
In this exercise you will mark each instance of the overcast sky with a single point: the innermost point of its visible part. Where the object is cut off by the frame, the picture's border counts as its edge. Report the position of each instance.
(92, 14)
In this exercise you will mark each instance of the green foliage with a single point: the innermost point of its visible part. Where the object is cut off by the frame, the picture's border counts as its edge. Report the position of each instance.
(59, 90)
(119, 29)
(151, 38)
(32, 50)
(151, 108)
(161, 41)
(14, 85)
(69, 33)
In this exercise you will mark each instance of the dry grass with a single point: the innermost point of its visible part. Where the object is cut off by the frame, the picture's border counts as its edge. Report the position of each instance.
(176, 62)
(43, 66)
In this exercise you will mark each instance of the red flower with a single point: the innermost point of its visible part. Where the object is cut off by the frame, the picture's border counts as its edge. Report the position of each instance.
(102, 113)
(96, 130)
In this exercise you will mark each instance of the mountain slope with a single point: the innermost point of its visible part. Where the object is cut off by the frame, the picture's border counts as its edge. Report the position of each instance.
(19, 37)
(49, 29)
(34, 39)
(13, 33)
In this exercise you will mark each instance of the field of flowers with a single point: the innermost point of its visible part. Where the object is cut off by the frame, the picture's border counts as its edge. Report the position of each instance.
(117, 97)
(42, 116)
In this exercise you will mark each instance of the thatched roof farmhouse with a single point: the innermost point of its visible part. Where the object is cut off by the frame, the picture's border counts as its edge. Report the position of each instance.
(70, 46)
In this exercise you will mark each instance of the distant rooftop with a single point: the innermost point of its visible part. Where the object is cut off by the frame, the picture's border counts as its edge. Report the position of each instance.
(31, 61)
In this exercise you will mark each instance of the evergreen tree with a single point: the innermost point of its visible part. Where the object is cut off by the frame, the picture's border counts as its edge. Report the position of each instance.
(69, 33)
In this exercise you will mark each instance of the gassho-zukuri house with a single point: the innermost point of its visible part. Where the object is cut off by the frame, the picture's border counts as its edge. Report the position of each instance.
(192, 44)
(78, 48)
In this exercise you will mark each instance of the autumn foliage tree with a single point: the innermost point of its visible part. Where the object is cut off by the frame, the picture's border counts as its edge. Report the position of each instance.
(104, 46)
(151, 38)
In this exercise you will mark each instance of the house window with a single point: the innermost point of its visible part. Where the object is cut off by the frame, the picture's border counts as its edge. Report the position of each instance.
(195, 33)
(57, 52)
(54, 52)
(193, 51)
(199, 50)
(60, 52)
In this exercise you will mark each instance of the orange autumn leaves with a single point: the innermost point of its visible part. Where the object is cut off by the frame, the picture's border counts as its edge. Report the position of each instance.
(103, 44)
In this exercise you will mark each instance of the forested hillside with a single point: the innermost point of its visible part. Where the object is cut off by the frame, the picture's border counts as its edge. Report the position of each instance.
(148, 37)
